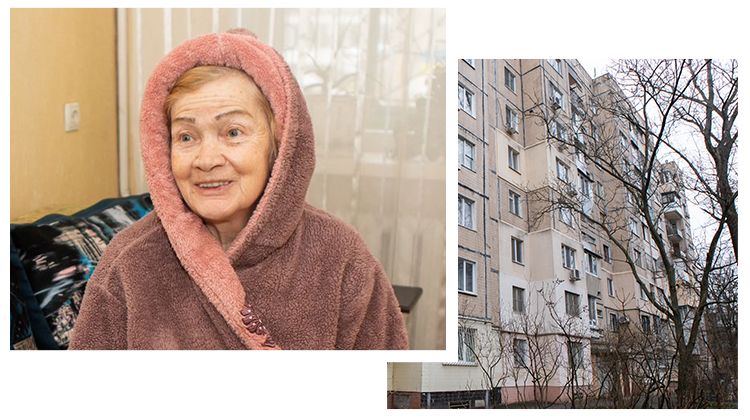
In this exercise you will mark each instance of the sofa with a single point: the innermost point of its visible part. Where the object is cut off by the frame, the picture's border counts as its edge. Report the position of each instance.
(51, 260)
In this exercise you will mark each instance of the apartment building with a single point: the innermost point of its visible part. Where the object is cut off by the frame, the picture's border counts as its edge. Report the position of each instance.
(542, 285)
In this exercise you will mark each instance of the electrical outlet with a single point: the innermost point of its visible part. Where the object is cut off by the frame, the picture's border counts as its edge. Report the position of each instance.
(72, 116)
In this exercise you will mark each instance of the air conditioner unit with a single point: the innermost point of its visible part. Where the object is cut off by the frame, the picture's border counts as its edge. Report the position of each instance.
(555, 105)
(511, 129)
(622, 319)
(571, 190)
(575, 275)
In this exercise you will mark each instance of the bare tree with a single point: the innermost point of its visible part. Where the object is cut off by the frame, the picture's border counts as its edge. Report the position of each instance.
(632, 124)
(489, 350)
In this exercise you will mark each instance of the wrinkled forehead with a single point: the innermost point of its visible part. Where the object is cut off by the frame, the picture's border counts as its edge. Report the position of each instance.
(206, 87)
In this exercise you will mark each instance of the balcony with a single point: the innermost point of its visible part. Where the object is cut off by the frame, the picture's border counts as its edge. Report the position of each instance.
(673, 211)
(674, 233)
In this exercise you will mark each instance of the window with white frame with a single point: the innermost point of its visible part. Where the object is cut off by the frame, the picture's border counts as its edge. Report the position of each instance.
(566, 215)
(592, 309)
(466, 345)
(466, 276)
(465, 212)
(562, 171)
(610, 287)
(592, 264)
(514, 202)
(643, 292)
(556, 95)
(520, 352)
(644, 230)
(585, 186)
(607, 253)
(558, 131)
(575, 354)
(556, 64)
(637, 258)
(466, 153)
(646, 323)
(510, 79)
(466, 100)
(613, 322)
(511, 118)
(572, 304)
(633, 227)
(516, 246)
(513, 159)
(568, 257)
(470, 61)
(519, 299)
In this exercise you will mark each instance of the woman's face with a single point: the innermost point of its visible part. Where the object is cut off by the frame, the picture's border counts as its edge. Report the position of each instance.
(220, 147)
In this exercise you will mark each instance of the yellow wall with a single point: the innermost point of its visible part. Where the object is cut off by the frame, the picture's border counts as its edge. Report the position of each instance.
(60, 56)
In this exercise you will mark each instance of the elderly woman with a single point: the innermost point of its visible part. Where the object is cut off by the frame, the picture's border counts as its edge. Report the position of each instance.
(233, 257)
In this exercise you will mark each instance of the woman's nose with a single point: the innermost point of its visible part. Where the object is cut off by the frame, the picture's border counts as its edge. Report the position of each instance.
(209, 154)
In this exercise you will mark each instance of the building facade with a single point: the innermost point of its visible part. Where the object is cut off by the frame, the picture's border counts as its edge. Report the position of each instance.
(548, 241)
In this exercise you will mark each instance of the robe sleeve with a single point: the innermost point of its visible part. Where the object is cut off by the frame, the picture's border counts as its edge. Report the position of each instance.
(102, 319)
(370, 316)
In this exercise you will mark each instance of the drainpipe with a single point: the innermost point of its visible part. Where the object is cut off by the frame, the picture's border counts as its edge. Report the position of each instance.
(484, 193)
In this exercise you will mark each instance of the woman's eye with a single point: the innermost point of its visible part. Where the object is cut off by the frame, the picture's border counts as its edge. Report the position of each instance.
(233, 132)
(185, 138)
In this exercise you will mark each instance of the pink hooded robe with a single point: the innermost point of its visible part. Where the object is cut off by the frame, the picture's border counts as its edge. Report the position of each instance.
(294, 278)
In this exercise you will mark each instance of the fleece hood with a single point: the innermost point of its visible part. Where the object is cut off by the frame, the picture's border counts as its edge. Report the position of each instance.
(278, 210)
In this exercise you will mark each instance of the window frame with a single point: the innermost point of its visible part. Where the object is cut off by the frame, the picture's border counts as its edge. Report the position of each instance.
(566, 171)
(556, 94)
(592, 264)
(462, 203)
(566, 213)
(462, 145)
(575, 354)
(462, 264)
(516, 250)
(613, 322)
(567, 256)
(575, 304)
(592, 308)
(512, 79)
(514, 159)
(511, 118)
(556, 64)
(514, 203)
(519, 300)
(520, 358)
(471, 95)
(465, 354)
(646, 326)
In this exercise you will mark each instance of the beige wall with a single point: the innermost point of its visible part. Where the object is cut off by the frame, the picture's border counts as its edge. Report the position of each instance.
(60, 56)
